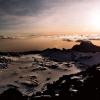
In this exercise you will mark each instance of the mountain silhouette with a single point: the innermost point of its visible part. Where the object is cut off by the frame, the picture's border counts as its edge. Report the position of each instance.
(86, 46)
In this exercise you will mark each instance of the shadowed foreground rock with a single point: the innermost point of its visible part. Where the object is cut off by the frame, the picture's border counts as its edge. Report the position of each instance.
(12, 94)
(80, 86)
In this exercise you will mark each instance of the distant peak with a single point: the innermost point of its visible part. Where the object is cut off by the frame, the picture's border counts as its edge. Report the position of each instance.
(86, 46)
(86, 43)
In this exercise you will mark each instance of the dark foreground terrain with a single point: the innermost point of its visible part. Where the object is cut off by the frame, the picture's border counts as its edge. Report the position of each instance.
(24, 85)
(84, 85)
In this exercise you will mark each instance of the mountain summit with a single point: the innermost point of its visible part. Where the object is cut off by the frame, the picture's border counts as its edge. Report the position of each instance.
(86, 46)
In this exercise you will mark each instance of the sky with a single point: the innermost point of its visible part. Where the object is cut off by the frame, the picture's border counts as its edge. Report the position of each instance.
(49, 16)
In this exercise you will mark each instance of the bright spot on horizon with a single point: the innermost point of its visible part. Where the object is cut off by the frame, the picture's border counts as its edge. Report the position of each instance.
(95, 19)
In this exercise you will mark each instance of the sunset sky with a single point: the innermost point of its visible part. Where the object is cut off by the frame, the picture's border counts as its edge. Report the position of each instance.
(49, 16)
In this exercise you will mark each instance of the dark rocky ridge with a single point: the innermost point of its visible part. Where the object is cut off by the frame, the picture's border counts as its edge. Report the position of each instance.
(70, 54)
